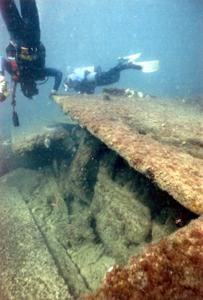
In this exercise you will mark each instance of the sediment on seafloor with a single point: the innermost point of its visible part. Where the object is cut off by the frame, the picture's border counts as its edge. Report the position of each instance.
(83, 209)
(28, 141)
(170, 269)
(157, 138)
(28, 270)
(83, 204)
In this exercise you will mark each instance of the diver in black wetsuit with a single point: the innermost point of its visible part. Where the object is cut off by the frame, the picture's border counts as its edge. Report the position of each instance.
(25, 60)
(86, 79)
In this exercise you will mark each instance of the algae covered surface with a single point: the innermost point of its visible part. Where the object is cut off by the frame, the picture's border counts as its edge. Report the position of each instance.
(159, 138)
(77, 201)
(170, 269)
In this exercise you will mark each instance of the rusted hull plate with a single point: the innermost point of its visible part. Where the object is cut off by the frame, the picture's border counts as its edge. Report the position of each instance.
(117, 124)
(170, 269)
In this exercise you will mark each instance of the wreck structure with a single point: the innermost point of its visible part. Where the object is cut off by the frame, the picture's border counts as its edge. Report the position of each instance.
(106, 205)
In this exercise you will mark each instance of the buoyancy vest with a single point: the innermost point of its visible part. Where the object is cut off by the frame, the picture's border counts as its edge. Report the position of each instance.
(79, 74)
(30, 61)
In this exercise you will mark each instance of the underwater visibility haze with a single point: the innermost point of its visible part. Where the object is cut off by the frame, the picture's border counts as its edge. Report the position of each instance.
(80, 33)
(101, 194)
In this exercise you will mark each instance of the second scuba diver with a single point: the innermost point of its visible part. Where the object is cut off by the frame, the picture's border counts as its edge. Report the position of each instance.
(86, 79)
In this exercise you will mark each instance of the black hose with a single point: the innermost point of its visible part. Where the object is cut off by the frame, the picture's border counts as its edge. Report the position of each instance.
(15, 118)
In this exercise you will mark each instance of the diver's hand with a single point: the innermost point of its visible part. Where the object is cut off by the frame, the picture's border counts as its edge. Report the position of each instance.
(53, 92)
(4, 92)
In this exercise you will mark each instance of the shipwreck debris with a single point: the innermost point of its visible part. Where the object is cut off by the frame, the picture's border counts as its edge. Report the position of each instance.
(170, 269)
(161, 153)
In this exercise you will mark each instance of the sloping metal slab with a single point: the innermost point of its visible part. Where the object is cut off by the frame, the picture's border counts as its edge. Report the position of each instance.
(159, 138)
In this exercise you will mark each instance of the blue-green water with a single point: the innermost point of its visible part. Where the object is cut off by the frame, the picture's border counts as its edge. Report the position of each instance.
(71, 207)
(81, 32)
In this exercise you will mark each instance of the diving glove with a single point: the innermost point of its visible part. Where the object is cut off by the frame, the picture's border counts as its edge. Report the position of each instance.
(4, 92)
(53, 92)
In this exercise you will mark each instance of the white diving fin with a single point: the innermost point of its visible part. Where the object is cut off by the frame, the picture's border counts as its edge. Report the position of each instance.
(148, 66)
(130, 58)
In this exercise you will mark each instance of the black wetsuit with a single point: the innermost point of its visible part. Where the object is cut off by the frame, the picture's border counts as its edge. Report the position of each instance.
(29, 52)
(113, 75)
(101, 78)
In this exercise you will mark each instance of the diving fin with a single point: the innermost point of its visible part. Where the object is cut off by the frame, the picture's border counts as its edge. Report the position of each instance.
(148, 66)
(130, 58)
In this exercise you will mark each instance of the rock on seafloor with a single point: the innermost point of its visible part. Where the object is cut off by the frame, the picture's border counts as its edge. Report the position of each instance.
(27, 270)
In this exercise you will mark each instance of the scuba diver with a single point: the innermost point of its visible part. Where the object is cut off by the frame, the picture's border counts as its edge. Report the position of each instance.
(86, 79)
(25, 60)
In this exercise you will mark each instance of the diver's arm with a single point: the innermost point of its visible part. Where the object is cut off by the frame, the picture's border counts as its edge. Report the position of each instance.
(50, 72)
